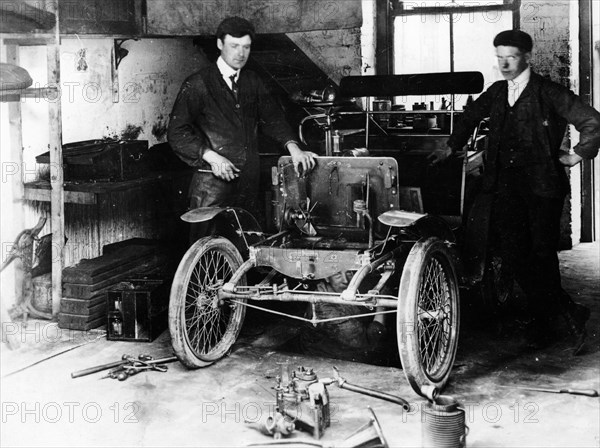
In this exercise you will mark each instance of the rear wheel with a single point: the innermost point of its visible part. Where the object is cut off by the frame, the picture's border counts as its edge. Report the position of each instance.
(203, 328)
(428, 315)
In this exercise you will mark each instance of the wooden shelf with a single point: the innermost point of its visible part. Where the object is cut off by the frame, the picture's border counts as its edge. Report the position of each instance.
(86, 193)
(20, 17)
(7, 96)
(28, 39)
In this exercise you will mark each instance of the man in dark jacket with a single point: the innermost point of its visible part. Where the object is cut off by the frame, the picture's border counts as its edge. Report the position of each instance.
(525, 174)
(214, 123)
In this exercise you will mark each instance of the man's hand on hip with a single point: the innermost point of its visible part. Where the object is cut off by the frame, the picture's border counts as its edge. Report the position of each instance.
(439, 155)
(568, 159)
(303, 161)
(221, 166)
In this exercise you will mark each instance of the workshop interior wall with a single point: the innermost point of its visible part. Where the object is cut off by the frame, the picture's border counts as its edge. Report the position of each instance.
(147, 82)
(336, 52)
(548, 23)
(150, 75)
(553, 27)
(133, 101)
(192, 17)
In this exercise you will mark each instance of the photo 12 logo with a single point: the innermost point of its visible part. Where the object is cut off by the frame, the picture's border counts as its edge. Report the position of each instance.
(69, 412)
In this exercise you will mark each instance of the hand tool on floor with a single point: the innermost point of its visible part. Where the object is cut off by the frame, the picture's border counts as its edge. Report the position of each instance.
(584, 392)
(138, 368)
(124, 360)
(134, 367)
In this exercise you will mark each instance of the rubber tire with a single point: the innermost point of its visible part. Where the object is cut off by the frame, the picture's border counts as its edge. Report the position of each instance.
(430, 252)
(230, 259)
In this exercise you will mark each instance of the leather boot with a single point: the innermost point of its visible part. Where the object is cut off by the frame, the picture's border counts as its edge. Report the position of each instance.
(575, 318)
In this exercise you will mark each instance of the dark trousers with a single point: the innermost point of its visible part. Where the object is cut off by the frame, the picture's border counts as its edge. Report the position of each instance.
(526, 229)
(207, 190)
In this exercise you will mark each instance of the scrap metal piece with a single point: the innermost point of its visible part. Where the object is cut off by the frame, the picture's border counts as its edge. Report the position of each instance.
(276, 425)
(369, 435)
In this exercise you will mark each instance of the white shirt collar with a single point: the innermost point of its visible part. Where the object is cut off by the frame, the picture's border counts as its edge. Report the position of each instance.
(226, 70)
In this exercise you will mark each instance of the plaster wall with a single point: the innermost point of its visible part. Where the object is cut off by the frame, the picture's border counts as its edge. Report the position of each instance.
(336, 52)
(146, 84)
(133, 103)
(553, 27)
(549, 26)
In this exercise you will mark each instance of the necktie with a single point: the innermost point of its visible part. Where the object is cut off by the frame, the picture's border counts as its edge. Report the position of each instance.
(234, 86)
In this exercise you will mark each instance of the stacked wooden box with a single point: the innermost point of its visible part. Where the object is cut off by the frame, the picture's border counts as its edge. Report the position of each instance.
(85, 285)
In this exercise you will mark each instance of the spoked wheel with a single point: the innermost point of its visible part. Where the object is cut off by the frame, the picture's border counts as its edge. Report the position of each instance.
(203, 328)
(428, 315)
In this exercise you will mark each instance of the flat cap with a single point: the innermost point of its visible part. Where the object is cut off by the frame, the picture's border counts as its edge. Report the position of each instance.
(514, 38)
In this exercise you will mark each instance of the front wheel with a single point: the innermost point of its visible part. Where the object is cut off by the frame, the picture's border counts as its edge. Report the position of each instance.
(203, 328)
(428, 315)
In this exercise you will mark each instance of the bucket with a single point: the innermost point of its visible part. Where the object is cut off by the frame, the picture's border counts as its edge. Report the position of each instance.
(443, 424)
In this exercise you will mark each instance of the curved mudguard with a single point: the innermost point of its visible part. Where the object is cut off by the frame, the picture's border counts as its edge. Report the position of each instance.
(425, 226)
(236, 224)
(421, 224)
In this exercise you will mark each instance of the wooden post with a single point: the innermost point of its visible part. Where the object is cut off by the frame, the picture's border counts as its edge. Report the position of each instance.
(56, 169)
(15, 211)
(588, 225)
(384, 38)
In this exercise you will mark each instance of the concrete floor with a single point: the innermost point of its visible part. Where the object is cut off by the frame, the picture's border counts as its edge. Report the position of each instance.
(43, 406)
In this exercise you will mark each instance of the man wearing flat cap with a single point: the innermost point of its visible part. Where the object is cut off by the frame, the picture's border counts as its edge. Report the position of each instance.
(525, 177)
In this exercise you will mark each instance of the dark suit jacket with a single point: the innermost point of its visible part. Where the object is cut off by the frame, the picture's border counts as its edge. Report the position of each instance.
(550, 107)
(206, 116)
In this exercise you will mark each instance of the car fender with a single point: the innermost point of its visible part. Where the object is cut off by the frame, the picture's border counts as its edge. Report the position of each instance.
(234, 223)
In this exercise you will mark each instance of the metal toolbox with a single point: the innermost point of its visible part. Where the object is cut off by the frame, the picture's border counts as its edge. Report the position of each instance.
(104, 160)
(137, 310)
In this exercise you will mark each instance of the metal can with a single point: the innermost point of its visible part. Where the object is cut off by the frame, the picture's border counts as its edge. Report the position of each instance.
(381, 106)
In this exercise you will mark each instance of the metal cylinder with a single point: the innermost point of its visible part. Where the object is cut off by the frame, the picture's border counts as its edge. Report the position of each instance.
(443, 424)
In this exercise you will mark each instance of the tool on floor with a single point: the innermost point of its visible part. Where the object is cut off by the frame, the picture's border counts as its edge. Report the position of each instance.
(134, 367)
(368, 436)
(343, 384)
(443, 424)
(124, 359)
(583, 392)
(303, 398)
(123, 372)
